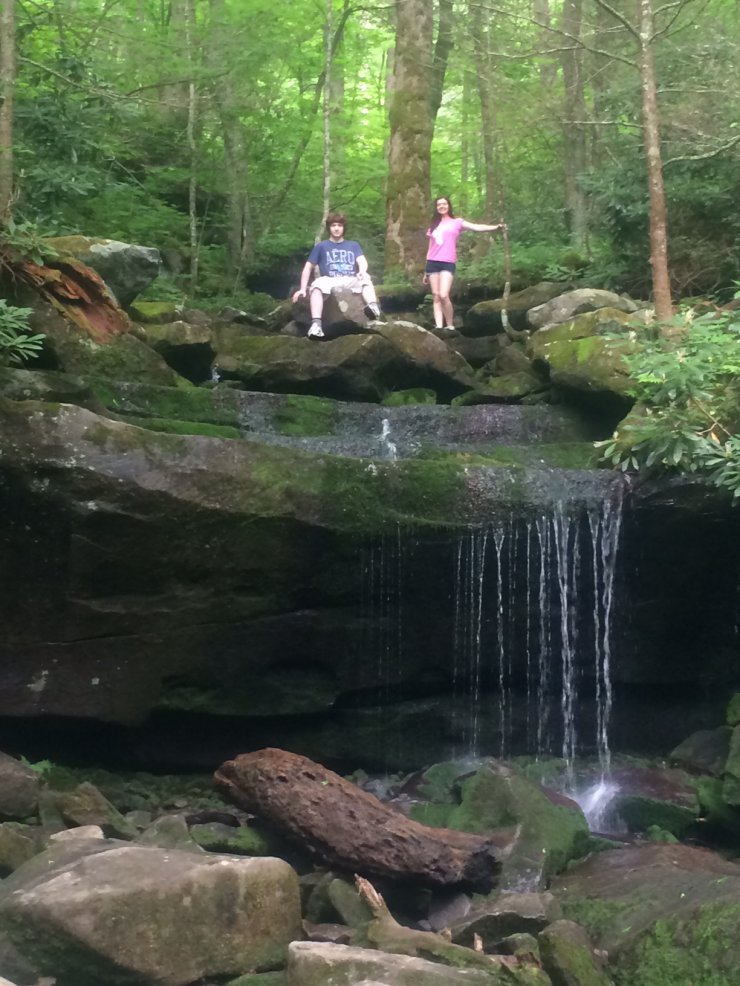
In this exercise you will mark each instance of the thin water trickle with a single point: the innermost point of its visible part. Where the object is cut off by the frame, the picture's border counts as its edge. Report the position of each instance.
(389, 448)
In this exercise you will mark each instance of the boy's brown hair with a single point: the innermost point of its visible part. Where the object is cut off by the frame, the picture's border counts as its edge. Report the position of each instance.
(336, 217)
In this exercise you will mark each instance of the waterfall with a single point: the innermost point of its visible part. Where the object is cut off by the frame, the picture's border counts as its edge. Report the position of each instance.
(533, 626)
(382, 639)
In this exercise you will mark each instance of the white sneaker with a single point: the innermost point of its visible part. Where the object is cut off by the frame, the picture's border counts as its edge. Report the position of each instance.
(315, 332)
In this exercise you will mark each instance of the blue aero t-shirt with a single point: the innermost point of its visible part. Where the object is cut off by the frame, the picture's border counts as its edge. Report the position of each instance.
(336, 259)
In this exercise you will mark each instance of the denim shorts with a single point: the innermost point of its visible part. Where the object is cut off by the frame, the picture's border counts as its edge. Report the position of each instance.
(437, 266)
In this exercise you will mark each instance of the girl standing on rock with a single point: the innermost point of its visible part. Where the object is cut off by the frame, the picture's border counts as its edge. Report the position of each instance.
(439, 273)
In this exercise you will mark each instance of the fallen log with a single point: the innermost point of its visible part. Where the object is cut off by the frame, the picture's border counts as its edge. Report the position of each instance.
(351, 829)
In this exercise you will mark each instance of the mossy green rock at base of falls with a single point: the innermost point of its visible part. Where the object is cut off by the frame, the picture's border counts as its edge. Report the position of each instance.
(568, 957)
(733, 711)
(551, 829)
(666, 915)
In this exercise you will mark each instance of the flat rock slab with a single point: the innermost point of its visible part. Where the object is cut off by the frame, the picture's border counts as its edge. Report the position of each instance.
(318, 964)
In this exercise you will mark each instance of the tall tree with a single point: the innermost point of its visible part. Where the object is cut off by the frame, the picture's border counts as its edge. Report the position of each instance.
(574, 125)
(653, 155)
(646, 34)
(7, 92)
(409, 147)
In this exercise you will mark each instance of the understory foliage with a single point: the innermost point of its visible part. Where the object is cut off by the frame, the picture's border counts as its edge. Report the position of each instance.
(687, 415)
(16, 342)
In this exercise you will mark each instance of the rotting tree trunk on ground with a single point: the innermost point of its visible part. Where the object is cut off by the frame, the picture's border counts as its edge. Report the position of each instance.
(74, 289)
(351, 829)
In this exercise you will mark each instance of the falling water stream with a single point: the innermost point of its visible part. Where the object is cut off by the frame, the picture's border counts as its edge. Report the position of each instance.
(531, 619)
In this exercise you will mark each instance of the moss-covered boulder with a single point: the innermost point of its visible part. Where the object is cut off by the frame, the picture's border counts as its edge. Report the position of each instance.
(188, 349)
(97, 912)
(155, 312)
(85, 805)
(18, 384)
(568, 956)
(547, 830)
(568, 305)
(663, 913)
(655, 797)
(122, 357)
(582, 354)
(731, 771)
(485, 318)
(355, 367)
(506, 388)
(733, 711)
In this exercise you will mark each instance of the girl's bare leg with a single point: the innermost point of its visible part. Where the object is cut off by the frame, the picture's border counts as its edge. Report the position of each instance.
(444, 289)
(439, 318)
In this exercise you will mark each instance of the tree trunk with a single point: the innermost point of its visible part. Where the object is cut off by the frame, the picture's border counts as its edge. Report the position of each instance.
(574, 130)
(240, 235)
(442, 49)
(328, 95)
(350, 828)
(7, 92)
(410, 145)
(192, 150)
(651, 136)
(480, 23)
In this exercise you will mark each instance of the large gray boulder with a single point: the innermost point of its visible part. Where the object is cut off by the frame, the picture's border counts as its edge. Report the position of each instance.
(92, 911)
(566, 306)
(126, 268)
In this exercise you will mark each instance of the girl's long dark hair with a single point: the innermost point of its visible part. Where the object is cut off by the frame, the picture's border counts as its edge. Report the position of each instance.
(436, 218)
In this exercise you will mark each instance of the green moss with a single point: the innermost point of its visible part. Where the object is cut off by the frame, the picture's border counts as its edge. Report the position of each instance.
(556, 455)
(416, 395)
(598, 917)
(641, 814)
(436, 816)
(699, 950)
(305, 416)
(172, 427)
(733, 711)
(181, 403)
(440, 783)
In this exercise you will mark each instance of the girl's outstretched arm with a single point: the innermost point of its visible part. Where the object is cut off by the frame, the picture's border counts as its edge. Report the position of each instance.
(481, 227)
